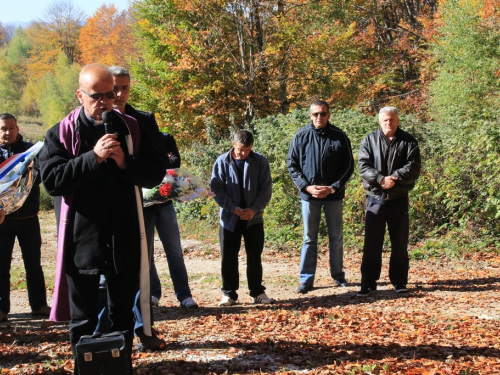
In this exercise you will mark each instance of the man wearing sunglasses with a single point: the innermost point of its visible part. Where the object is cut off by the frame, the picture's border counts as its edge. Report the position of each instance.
(320, 163)
(101, 228)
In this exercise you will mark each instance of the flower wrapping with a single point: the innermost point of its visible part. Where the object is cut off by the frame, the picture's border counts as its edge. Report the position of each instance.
(17, 176)
(177, 185)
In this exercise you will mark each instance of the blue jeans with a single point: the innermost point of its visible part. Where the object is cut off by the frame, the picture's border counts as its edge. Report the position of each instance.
(168, 231)
(27, 232)
(163, 216)
(311, 215)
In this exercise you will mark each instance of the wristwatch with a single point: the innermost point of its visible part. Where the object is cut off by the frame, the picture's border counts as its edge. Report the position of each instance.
(332, 190)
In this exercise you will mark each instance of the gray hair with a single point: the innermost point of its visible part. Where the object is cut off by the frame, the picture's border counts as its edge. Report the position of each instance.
(388, 110)
(244, 137)
(118, 71)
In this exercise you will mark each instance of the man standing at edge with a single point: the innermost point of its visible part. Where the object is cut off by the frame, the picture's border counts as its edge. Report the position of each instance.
(389, 164)
(320, 163)
(100, 232)
(23, 224)
(242, 184)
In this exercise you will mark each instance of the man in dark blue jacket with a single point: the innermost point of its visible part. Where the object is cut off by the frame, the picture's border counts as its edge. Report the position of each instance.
(242, 185)
(389, 164)
(23, 224)
(320, 163)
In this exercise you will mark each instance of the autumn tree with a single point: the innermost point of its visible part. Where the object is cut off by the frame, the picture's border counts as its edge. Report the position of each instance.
(55, 91)
(467, 81)
(57, 31)
(3, 35)
(63, 21)
(13, 77)
(106, 38)
(218, 65)
(396, 34)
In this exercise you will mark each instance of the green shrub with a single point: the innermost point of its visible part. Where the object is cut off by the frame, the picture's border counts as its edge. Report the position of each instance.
(46, 201)
(454, 207)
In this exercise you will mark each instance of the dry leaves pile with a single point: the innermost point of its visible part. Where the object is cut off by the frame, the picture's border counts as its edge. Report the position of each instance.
(448, 323)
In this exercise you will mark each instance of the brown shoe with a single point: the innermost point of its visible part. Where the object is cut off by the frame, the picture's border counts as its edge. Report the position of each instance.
(3, 317)
(44, 311)
(150, 342)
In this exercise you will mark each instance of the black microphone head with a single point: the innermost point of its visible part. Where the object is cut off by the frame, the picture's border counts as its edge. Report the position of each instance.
(107, 119)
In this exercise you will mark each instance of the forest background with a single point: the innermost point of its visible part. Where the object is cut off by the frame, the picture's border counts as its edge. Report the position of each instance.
(207, 68)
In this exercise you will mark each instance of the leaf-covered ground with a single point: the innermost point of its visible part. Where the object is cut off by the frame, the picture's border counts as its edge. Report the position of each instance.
(448, 323)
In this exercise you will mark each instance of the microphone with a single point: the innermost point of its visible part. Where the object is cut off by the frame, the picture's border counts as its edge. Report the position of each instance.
(107, 119)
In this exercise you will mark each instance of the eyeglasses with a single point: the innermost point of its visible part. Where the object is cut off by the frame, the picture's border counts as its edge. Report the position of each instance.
(98, 95)
(323, 114)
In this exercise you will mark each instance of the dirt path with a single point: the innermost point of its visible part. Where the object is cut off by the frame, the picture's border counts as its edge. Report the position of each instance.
(448, 323)
(438, 279)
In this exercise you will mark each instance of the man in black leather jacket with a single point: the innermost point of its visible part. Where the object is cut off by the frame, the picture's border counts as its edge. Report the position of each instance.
(389, 164)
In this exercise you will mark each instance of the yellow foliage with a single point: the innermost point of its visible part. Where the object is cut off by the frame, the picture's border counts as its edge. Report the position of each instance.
(106, 38)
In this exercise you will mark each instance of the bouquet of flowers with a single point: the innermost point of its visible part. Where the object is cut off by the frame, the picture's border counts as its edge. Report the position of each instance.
(178, 185)
(17, 176)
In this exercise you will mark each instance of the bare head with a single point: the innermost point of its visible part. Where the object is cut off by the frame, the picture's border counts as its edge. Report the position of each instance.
(121, 79)
(319, 113)
(388, 119)
(9, 131)
(242, 144)
(96, 90)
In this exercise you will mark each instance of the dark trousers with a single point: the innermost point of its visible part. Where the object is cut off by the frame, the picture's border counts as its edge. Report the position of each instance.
(395, 214)
(27, 232)
(84, 304)
(230, 243)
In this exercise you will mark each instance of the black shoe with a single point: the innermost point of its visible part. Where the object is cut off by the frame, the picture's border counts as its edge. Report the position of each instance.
(304, 288)
(341, 282)
(44, 311)
(400, 288)
(366, 291)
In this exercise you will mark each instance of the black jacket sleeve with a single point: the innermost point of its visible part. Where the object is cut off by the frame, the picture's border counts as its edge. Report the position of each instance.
(170, 146)
(60, 173)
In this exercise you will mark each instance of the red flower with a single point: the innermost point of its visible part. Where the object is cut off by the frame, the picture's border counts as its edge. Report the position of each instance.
(165, 190)
(171, 172)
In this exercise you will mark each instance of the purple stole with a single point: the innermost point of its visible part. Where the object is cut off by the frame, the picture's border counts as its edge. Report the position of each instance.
(70, 139)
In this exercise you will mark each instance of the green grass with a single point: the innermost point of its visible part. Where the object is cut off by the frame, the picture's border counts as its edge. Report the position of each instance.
(205, 278)
(17, 278)
(283, 279)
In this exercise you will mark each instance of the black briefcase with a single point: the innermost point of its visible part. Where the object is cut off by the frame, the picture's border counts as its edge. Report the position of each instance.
(104, 354)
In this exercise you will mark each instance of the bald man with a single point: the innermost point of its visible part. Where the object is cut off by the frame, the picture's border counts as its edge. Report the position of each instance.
(101, 223)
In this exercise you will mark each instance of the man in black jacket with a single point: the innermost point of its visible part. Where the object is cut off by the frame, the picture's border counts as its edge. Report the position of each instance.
(23, 224)
(121, 78)
(320, 163)
(98, 175)
(389, 164)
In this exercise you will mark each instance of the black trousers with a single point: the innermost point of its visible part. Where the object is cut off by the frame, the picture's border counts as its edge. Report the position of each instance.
(230, 243)
(27, 231)
(395, 214)
(84, 304)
